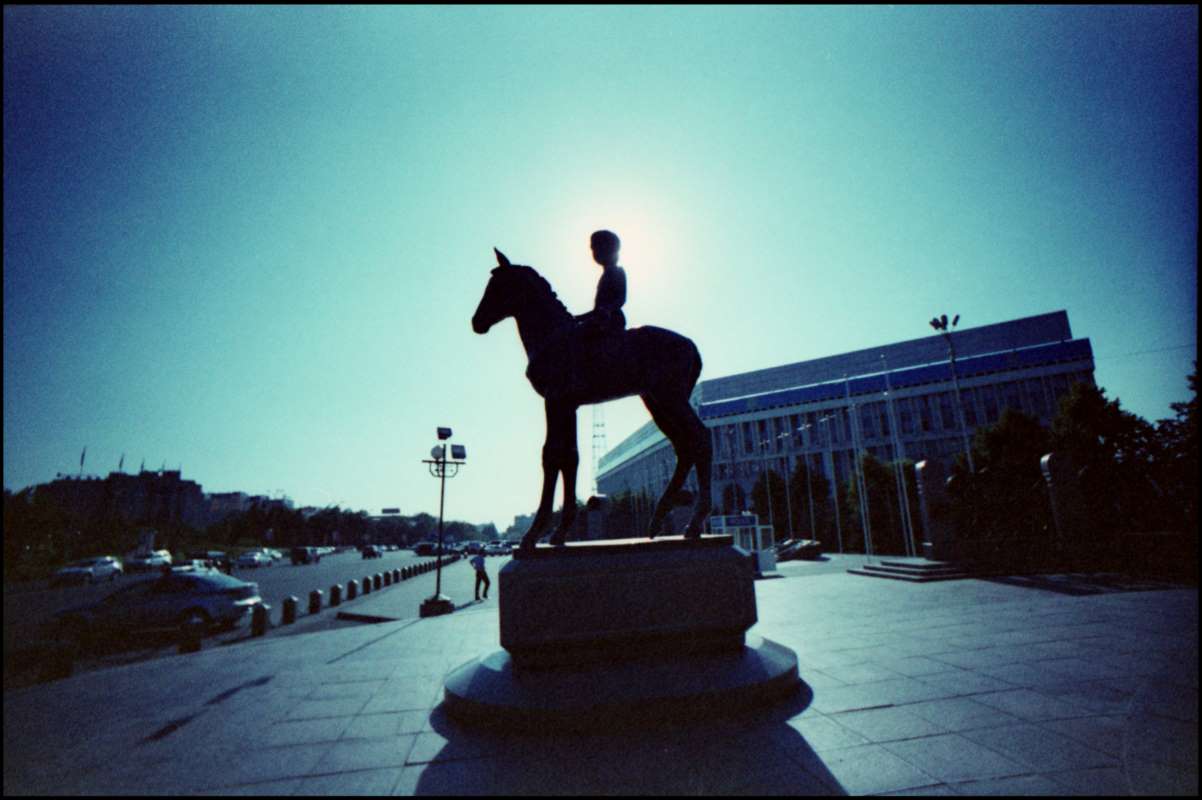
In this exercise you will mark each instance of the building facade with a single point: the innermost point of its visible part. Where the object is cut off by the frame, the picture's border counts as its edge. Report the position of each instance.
(151, 498)
(894, 400)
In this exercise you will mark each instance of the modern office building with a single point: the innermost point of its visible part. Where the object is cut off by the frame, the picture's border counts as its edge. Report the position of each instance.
(896, 399)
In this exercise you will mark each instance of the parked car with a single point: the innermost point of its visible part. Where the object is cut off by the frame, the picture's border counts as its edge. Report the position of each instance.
(88, 570)
(305, 555)
(253, 559)
(164, 603)
(148, 562)
(473, 547)
(371, 551)
(217, 559)
(192, 565)
(426, 548)
(798, 549)
(498, 547)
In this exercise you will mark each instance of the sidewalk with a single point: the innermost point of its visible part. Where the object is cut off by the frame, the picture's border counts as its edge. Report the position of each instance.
(1068, 686)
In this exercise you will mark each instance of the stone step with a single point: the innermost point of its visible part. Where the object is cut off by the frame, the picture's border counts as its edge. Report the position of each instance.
(913, 575)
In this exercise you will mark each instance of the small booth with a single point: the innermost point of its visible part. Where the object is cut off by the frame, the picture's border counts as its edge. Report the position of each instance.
(749, 535)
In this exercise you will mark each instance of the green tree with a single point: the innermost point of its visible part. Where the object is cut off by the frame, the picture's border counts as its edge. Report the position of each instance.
(1175, 469)
(1114, 451)
(1005, 502)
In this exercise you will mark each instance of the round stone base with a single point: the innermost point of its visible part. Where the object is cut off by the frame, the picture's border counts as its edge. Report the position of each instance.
(435, 606)
(629, 693)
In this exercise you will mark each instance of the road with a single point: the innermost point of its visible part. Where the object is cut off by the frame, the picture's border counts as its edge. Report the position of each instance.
(26, 612)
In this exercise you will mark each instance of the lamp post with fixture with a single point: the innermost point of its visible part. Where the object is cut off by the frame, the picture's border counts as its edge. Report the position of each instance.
(442, 469)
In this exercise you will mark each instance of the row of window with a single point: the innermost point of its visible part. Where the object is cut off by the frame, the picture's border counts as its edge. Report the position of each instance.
(875, 421)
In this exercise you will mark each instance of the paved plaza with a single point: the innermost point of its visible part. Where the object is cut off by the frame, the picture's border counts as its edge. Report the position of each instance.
(1035, 685)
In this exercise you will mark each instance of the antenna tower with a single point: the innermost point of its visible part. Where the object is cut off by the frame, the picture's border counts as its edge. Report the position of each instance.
(599, 447)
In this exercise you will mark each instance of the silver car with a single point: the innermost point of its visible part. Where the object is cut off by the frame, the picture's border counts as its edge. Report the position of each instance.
(169, 602)
(88, 570)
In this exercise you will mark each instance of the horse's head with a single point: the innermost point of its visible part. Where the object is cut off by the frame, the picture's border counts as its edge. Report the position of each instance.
(500, 296)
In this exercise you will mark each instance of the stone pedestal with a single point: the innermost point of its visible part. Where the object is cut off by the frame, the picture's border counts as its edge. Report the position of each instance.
(436, 606)
(620, 631)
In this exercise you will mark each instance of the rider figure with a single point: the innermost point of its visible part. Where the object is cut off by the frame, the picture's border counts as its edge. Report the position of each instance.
(606, 316)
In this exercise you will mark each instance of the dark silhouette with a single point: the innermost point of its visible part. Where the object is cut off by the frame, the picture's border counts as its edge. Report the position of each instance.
(570, 370)
(606, 316)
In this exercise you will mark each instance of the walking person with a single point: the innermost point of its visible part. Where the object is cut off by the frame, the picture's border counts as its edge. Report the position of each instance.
(481, 574)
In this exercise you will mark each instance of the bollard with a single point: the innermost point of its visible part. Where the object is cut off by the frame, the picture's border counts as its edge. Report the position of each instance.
(336, 595)
(289, 614)
(352, 590)
(404, 573)
(367, 584)
(388, 577)
(315, 601)
(396, 576)
(377, 581)
(191, 634)
(259, 619)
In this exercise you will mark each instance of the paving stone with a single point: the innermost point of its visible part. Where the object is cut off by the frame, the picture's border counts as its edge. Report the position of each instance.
(872, 769)
(362, 782)
(952, 758)
(1018, 785)
(824, 733)
(1040, 749)
(1101, 782)
(888, 724)
(1031, 706)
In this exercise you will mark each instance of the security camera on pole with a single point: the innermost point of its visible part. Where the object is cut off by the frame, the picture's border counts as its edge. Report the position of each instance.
(442, 469)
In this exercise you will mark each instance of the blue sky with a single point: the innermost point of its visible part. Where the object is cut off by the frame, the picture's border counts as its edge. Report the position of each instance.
(249, 241)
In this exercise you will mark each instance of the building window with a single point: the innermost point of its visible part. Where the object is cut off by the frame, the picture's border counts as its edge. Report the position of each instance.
(748, 438)
(968, 400)
(924, 411)
(795, 423)
(906, 418)
(867, 430)
(947, 412)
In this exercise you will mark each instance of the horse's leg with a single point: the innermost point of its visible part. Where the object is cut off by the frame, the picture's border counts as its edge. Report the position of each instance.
(703, 456)
(669, 423)
(568, 456)
(542, 517)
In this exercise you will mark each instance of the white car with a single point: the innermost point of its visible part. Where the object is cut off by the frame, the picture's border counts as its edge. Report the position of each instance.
(252, 558)
(154, 560)
(88, 570)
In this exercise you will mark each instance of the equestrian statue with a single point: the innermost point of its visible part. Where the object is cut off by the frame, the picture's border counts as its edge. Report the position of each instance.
(575, 361)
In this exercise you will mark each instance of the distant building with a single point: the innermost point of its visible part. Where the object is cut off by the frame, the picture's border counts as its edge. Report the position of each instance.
(821, 411)
(158, 499)
(225, 504)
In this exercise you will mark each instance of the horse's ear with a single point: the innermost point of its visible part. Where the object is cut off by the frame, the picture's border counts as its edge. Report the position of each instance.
(502, 261)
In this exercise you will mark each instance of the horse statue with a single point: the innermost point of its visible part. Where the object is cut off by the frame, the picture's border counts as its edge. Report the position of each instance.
(570, 369)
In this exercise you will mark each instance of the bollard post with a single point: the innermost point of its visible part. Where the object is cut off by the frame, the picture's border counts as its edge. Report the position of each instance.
(336, 595)
(315, 601)
(366, 584)
(388, 577)
(259, 619)
(396, 576)
(352, 590)
(288, 616)
(377, 581)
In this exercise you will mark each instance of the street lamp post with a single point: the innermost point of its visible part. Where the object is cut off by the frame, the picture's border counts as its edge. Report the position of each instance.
(899, 469)
(940, 324)
(442, 469)
(788, 488)
(768, 484)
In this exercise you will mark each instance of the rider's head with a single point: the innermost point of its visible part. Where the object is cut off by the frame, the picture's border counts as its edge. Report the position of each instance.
(605, 246)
